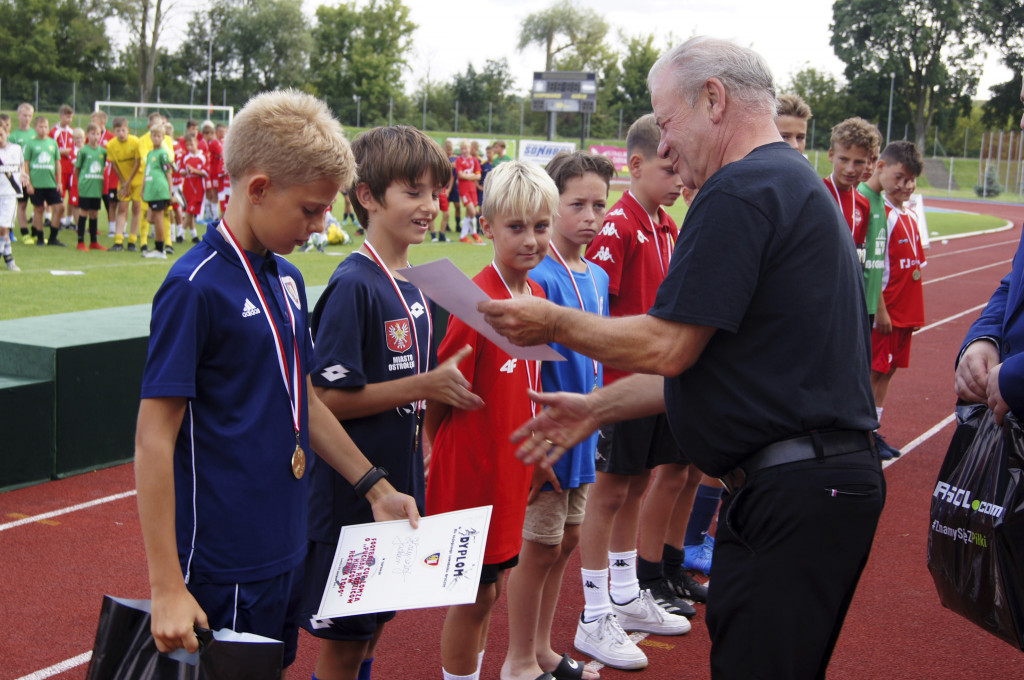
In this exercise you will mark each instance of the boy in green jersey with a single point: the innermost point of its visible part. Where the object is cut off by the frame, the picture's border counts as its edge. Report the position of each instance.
(156, 187)
(876, 237)
(42, 163)
(21, 137)
(92, 158)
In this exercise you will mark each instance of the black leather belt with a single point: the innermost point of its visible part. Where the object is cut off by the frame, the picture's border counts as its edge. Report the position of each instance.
(821, 445)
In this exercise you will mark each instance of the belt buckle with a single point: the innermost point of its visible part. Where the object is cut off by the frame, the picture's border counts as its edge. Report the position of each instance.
(734, 479)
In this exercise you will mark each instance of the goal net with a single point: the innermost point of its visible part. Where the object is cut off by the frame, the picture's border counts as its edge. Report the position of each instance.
(137, 114)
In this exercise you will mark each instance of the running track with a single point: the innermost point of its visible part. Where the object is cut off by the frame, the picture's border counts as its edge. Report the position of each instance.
(55, 566)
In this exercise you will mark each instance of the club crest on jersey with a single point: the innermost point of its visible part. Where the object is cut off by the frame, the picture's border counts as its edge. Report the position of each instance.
(399, 335)
(292, 289)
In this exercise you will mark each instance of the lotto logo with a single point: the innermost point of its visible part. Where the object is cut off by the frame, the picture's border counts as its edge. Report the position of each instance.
(509, 366)
(417, 310)
(603, 255)
(334, 373)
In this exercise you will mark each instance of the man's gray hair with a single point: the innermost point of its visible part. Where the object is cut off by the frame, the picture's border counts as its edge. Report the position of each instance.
(744, 73)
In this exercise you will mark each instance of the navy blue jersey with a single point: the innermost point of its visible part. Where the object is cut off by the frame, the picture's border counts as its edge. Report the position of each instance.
(576, 374)
(362, 336)
(240, 513)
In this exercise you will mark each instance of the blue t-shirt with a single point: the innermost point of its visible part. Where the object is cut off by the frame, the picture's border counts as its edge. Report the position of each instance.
(240, 513)
(576, 374)
(362, 336)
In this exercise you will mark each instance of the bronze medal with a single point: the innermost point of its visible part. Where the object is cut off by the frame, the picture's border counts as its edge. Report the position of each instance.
(916, 274)
(298, 462)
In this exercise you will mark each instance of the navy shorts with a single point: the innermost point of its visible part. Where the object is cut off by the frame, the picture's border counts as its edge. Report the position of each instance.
(269, 608)
(632, 447)
(361, 627)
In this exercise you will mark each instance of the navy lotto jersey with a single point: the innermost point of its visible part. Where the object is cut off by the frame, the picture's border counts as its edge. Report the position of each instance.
(362, 336)
(240, 513)
(576, 374)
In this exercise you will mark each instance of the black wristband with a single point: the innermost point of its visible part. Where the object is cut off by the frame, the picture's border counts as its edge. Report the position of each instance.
(366, 482)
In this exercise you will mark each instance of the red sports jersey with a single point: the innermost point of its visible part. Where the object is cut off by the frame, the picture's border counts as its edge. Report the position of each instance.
(215, 158)
(179, 154)
(192, 186)
(473, 462)
(635, 254)
(65, 138)
(855, 208)
(901, 279)
(465, 164)
(73, 181)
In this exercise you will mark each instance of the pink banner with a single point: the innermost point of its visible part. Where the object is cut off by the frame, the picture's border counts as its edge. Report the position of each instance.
(617, 154)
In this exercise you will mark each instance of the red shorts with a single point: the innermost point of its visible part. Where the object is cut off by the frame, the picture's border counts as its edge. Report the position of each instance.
(66, 179)
(889, 351)
(467, 192)
(194, 207)
(442, 201)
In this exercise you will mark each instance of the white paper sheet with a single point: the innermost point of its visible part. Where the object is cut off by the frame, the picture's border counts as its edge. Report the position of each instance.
(445, 284)
(388, 566)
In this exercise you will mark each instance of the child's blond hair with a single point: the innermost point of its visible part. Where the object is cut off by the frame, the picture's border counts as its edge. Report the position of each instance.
(643, 138)
(856, 132)
(25, 106)
(793, 105)
(290, 136)
(519, 189)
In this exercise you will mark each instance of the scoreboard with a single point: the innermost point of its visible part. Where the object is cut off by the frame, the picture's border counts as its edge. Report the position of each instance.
(564, 92)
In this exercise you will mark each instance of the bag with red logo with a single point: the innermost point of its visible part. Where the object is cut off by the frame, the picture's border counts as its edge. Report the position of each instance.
(976, 537)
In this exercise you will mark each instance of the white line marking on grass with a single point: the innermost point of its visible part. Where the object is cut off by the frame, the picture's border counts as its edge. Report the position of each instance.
(58, 668)
(930, 326)
(935, 429)
(969, 271)
(64, 511)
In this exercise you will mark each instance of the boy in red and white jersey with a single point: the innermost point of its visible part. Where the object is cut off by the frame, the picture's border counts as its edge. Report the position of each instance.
(467, 169)
(64, 135)
(214, 167)
(901, 307)
(854, 144)
(223, 181)
(192, 168)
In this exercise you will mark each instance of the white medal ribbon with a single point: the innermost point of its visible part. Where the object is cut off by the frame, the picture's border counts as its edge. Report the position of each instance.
(534, 380)
(853, 200)
(292, 383)
(654, 228)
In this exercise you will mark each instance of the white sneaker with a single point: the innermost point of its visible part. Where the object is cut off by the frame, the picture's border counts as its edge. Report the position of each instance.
(644, 614)
(604, 640)
(155, 254)
(11, 267)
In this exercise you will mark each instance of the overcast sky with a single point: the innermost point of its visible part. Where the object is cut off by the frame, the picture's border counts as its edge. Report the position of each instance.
(454, 33)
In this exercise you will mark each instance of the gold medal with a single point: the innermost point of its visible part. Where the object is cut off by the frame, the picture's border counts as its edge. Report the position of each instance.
(916, 274)
(298, 462)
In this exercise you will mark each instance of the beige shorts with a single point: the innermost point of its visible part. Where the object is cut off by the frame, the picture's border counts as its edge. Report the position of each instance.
(551, 512)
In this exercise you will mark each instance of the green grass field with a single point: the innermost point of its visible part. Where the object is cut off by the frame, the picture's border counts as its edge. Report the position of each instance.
(116, 279)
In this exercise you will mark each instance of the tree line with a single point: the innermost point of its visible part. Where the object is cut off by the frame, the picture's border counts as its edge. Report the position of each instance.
(355, 54)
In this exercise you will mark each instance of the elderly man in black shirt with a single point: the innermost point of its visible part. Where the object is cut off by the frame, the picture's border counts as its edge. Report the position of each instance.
(758, 349)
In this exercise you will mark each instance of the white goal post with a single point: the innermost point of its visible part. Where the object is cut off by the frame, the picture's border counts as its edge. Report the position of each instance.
(136, 110)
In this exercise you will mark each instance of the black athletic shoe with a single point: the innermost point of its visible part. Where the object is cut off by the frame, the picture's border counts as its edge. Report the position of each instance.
(687, 587)
(131, 248)
(116, 247)
(144, 249)
(54, 242)
(664, 596)
(885, 450)
(169, 250)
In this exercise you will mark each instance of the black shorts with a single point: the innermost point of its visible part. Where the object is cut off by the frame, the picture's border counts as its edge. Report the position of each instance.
(89, 203)
(158, 206)
(632, 447)
(23, 198)
(361, 627)
(490, 572)
(110, 196)
(46, 197)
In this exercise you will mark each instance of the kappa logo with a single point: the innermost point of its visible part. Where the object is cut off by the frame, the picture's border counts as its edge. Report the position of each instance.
(249, 309)
(590, 584)
(620, 563)
(417, 310)
(618, 212)
(603, 254)
(334, 373)
(640, 238)
(609, 230)
(398, 334)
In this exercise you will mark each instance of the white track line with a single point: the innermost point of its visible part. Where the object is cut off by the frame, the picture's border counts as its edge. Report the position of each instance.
(58, 668)
(930, 326)
(968, 250)
(64, 511)
(935, 429)
(969, 271)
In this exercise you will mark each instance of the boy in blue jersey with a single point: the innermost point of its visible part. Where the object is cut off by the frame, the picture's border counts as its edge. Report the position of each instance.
(374, 367)
(228, 420)
(558, 494)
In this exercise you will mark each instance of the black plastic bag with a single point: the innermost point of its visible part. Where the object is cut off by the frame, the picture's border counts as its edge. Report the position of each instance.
(976, 538)
(125, 650)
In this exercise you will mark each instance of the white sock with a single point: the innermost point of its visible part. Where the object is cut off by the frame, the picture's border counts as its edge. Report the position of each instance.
(480, 661)
(597, 602)
(878, 413)
(451, 676)
(467, 226)
(624, 586)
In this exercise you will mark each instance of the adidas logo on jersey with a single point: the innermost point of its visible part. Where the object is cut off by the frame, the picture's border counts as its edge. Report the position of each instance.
(603, 254)
(334, 373)
(609, 230)
(640, 238)
(249, 309)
